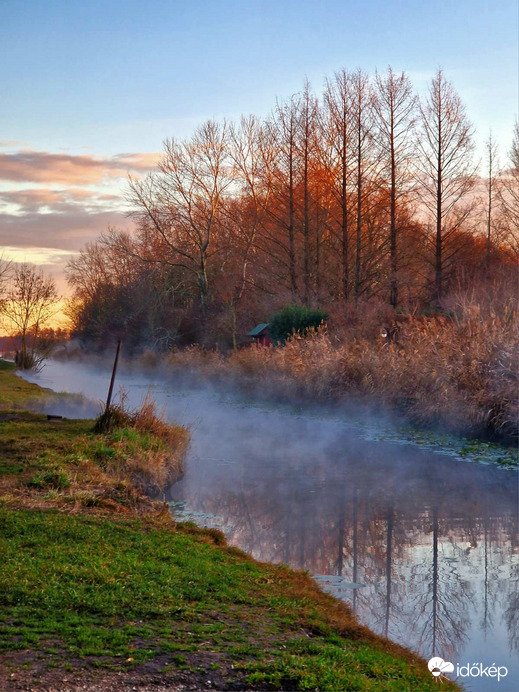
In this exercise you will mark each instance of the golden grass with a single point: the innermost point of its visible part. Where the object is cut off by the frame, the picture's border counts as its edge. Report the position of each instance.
(156, 452)
(459, 372)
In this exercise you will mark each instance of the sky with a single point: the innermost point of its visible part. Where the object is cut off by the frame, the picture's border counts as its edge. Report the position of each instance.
(91, 88)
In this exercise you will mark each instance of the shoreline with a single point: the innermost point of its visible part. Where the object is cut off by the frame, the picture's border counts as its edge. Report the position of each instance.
(372, 419)
(255, 625)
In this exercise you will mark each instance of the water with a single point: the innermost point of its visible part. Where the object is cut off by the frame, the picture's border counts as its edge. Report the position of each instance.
(421, 545)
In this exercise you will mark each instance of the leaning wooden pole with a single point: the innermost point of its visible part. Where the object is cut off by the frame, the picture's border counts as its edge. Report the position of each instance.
(112, 380)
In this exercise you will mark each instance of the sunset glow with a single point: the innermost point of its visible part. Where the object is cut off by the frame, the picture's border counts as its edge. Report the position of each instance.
(78, 103)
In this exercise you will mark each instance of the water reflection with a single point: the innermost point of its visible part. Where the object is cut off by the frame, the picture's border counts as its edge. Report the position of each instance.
(422, 546)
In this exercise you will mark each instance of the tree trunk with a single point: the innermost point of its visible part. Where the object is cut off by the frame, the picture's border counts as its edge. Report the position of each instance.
(359, 213)
(393, 298)
(344, 224)
(291, 246)
(306, 213)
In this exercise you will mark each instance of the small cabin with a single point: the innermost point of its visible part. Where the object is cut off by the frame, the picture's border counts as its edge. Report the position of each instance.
(260, 334)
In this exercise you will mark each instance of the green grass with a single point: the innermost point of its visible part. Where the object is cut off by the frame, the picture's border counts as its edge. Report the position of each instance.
(15, 392)
(38, 455)
(104, 591)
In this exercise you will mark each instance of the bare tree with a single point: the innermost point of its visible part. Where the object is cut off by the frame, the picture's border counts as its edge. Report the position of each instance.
(338, 126)
(306, 144)
(88, 272)
(30, 302)
(492, 172)
(284, 179)
(362, 111)
(5, 269)
(508, 192)
(179, 207)
(251, 156)
(445, 161)
(395, 110)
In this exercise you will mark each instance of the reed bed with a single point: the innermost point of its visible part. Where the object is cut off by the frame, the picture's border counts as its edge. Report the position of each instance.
(457, 372)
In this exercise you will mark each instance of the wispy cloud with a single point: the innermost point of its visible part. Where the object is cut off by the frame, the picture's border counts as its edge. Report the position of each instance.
(69, 169)
(58, 201)
(65, 231)
(11, 143)
(52, 204)
(36, 255)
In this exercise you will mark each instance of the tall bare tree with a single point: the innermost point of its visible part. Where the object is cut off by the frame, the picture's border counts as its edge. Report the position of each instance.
(284, 177)
(395, 110)
(492, 166)
(252, 157)
(444, 161)
(306, 142)
(180, 206)
(338, 127)
(362, 111)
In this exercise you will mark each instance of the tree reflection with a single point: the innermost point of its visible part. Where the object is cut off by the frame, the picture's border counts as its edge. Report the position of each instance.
(433, 554)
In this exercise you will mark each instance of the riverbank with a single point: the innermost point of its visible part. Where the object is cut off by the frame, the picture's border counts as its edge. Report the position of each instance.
(453, 376)
(454, 379)
(100, 589)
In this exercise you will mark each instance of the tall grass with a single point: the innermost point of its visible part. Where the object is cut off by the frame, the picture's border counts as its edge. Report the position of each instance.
(157, 448)
(458, 371)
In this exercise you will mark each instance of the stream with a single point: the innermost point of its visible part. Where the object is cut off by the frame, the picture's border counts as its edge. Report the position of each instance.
(422, 545)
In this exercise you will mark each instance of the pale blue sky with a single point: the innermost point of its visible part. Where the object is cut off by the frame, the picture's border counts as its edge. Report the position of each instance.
(111, 76)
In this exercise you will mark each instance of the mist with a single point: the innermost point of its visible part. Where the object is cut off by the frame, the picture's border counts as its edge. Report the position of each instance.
(322, 490)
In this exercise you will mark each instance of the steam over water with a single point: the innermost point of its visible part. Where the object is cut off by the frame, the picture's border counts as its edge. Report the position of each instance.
(421, 545)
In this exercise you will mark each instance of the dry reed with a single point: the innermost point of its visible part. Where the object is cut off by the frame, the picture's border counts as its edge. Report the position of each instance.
(458, 372)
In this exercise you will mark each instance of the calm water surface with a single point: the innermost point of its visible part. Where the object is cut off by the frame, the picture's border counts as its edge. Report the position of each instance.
(421, 545)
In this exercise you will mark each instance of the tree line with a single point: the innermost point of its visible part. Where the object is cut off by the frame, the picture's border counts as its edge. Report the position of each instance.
(365, 192)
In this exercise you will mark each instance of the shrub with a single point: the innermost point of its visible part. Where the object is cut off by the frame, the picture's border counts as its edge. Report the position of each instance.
(295, 319)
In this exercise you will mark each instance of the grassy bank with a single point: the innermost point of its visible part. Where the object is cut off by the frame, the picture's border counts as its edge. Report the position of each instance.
(99, 587)
(18, 394)
(15, 392)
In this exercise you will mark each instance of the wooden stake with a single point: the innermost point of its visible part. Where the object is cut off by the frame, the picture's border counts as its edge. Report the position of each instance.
(114, 370)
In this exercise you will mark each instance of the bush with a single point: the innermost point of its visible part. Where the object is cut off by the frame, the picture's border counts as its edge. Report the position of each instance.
(295, 319)
(457, 372)
(112, 418)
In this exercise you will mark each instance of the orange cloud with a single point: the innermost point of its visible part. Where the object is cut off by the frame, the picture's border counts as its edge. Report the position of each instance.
(35, 255)
(33, 199)
(138, 162)
(69, 169)
(51, 204)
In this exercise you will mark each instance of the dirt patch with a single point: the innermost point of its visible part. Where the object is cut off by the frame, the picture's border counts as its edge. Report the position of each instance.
(22, 671)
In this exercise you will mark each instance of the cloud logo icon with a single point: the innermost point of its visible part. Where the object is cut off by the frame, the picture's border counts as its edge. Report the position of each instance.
(438, 666)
